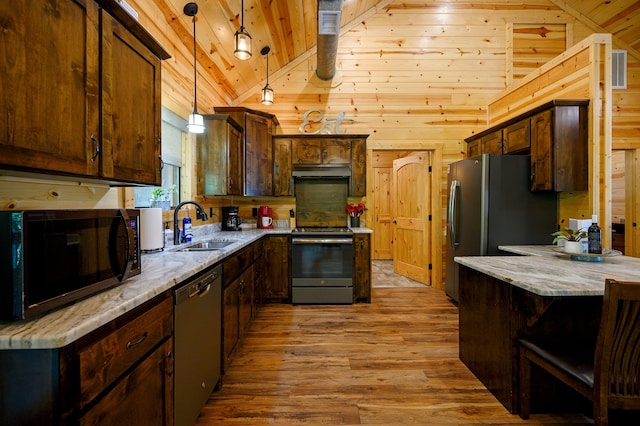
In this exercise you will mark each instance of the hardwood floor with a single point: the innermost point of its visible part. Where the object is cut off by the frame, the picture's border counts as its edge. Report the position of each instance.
(392, 362)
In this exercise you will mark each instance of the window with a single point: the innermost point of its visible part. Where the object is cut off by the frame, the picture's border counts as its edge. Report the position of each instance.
(173, 129)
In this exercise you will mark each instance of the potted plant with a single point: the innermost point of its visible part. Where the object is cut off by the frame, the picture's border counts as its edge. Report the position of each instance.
(572, 239)
(355, 210)
(161, 197)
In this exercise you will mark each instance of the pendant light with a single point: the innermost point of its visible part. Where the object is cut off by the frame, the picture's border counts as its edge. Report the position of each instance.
(196, 122)
(267, 91)
(243, 40)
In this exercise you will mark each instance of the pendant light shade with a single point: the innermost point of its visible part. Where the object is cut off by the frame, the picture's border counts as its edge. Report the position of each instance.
(267, 91)
(243, 40)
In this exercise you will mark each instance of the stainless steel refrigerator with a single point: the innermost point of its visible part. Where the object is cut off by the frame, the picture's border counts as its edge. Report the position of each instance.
(491, 204)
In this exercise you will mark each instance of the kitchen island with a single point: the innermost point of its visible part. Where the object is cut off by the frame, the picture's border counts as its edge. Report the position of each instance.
(532, 292)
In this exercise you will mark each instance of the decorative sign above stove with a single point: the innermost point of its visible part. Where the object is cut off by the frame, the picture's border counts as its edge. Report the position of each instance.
(331, 125)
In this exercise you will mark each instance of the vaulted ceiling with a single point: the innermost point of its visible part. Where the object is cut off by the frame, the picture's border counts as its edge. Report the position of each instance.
(289, 27)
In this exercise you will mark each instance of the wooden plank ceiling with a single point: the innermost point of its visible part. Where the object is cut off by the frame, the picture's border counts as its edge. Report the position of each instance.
(290, 29)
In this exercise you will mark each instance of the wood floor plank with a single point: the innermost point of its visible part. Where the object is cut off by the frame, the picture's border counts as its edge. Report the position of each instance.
(391, 362)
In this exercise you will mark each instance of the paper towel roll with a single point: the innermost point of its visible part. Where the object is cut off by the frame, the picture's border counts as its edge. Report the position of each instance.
(151, 232)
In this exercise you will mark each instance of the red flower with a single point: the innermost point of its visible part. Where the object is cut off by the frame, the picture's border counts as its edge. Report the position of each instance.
(356, 209)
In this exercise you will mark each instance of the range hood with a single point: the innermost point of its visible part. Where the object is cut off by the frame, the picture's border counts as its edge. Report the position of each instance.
(320, 171)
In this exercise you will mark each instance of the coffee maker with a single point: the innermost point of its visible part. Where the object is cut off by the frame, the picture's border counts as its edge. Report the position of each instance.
(230, 219)
(265, 217)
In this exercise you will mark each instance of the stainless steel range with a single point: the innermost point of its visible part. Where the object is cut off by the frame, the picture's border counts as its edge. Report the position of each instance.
(322, 265)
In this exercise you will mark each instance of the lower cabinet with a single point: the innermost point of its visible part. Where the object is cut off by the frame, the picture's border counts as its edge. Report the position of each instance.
(122, 373)
(362, 268)
(278, 270)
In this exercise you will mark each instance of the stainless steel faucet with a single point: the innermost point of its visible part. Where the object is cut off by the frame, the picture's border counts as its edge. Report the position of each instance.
(177, 240)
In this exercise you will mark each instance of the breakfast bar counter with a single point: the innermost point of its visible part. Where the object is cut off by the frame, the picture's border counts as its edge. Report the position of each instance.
(531, 291)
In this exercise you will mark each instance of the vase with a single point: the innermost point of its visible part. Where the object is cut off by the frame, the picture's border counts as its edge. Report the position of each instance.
(355, 221)
(573, 247)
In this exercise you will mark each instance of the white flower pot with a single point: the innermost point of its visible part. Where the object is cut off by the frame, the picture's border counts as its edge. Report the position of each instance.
(573, 247)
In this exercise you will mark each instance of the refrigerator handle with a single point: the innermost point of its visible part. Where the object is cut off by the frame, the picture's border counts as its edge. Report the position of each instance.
(452, 214)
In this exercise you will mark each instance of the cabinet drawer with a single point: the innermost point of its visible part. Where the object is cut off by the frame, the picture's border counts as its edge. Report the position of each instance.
(233, 266)
(105, 360)
(517, 137)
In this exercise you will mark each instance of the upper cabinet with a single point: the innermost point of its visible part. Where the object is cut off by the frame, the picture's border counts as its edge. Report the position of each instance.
(321, 151)
(256, 145)
(554, 134)
(220, 156)
(81, 93)
(318, 153)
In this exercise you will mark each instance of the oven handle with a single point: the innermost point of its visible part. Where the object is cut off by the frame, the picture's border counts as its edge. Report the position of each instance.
(310, 240)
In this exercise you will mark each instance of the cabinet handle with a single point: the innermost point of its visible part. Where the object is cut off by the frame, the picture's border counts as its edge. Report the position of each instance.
(133, 343)
(169, 364)
(95, 156)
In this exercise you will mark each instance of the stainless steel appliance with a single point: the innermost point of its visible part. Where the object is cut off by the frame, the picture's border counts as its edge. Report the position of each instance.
(491, 204)
(322, 265)
(230, 219)
(197, 344)
(50, 258)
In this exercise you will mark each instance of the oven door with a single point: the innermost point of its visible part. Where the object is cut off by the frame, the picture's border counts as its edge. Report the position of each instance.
(322, 269)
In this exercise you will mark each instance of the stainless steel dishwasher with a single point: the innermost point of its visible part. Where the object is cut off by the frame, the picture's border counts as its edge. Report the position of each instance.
(197, 344)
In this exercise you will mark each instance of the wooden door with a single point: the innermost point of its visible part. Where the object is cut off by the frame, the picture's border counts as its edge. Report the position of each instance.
(382, 237)
(258, 171)
(411, 207)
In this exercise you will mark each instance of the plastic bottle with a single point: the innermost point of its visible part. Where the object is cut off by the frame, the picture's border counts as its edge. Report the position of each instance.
(186, 228)
(594, 235)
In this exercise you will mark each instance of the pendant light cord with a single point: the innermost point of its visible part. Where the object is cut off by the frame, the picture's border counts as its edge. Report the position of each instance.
(195, 84)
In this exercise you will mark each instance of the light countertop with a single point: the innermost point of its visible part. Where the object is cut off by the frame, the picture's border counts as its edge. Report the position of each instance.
(160, 272)
(542, 271)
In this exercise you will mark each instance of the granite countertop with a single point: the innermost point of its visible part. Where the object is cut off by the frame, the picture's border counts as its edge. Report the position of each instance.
(160, 272)
(542, 271)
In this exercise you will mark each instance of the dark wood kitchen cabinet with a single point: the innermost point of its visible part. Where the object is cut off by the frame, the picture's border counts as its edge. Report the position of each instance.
(321, 152)
(220, 156)
(98, 109)
(282, 178)
(278, 270)
(556, 136)
(326, 150)
(257, 156)
(559, 151)
(122, 373)
(362, 268)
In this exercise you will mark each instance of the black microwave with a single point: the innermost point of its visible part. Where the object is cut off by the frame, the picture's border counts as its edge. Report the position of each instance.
(50, 258)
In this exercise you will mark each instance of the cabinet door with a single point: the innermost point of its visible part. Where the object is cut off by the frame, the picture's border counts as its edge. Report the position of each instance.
(259, 281)
(306, 151)
(491, 143)
(49, 96)
(517, 137)
(143, 397)
(473, 148)
(278, 270)
(258, 157)
(336, 151)
(212, 155)
(230, 331)
(362, 268)
(358, 185)
(541, 143)
(235, 164)
(282, 178)
(245, 307)
(131, 92)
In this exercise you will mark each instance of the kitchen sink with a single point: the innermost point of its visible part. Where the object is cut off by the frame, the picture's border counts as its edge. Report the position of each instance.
(206, 245)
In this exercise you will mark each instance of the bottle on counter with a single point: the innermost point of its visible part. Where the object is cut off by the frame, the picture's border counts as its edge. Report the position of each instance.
(186, 228)
(594, 235)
